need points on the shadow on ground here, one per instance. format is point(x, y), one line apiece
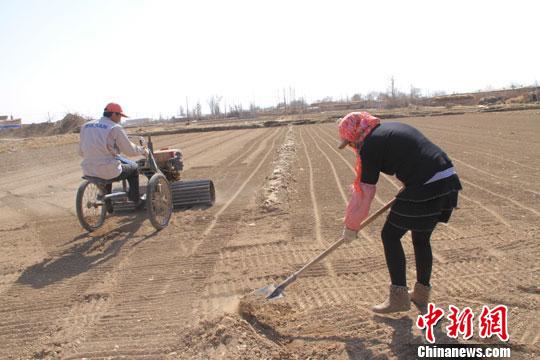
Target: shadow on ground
point(86, 251)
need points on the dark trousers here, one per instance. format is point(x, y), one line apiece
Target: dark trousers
point(395, 256)
point(130, 172)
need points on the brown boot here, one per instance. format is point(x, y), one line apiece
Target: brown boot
point(397, 301)
point(420, 296)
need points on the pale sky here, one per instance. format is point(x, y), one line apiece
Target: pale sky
point(59, 56)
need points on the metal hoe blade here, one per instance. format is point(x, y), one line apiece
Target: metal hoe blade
point(270, 292)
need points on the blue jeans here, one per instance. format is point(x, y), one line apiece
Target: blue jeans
point(130, 172)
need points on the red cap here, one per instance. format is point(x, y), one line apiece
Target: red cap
point(113, 107)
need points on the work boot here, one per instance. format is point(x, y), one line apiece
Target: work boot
point(420, 296)
point(397, 301)
point(109, 206)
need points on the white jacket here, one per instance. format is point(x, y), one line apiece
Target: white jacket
point(101, 140)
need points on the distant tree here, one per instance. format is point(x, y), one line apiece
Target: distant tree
point(414, 93)
point(214, 104)
point(372, 95)
point(253, 108)
point(298, 103)
point(327, 99)
point(235, 111)
point(197, 112)
point(357, 97)
point(392, 88)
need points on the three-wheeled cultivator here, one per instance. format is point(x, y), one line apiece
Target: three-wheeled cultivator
point(164, 191)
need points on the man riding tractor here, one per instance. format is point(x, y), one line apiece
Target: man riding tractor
point(101, 143)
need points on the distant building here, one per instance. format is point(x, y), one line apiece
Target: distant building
point(135, 122)
point(9, 123)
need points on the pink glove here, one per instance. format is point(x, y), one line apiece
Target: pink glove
point(358, 207)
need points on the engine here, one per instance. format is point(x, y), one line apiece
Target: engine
point(169, 161)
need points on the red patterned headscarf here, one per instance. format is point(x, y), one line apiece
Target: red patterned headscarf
point(355, 127)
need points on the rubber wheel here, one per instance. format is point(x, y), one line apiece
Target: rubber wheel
point(159, 201)
point(90, 211)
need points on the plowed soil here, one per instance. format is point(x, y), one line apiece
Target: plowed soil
point(126, 291)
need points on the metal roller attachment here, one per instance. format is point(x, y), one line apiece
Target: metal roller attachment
point(193, 192)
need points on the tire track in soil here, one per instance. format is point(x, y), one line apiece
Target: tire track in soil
point(507, 137)
point(510, 182)
point(231, 199)
point(315, 206)
point(473, 138)
point(158, 327)
point(256, 234)
point(231, 174)
point(53, 306)
point(349, 259)
point(363, 232)
point(180, 141)
point(222, 141)
point(498, 215)
point(302, 243)
point(222, 232)
point(505, 198)
point(484, 152)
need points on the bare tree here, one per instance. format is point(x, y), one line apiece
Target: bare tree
point(414, 93)
point(235, 110)
point(392, 88)
point(197, 112)
point(214, 104)
point(253, 108)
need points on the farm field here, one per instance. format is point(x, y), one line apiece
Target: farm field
point(126, 291)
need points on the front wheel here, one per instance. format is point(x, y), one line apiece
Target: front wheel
point(90, 208)
point(159, 201)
